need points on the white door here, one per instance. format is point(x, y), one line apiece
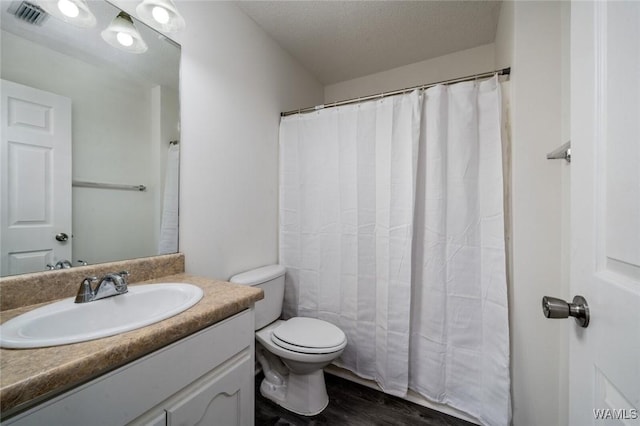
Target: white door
point(35, 179)
point(605, 211)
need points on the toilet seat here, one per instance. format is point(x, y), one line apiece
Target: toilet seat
point(309, 335)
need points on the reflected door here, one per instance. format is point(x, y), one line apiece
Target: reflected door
point(35, 179)
point(605, 211)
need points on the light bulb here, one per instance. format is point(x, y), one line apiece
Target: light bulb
point(124, 39)
point(68, 8)
point(160, 14)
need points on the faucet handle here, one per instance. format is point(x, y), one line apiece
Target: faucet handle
point(85, 292)
point(63, 264)
point(125, 277)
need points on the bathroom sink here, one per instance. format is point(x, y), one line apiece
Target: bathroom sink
point(66, 322)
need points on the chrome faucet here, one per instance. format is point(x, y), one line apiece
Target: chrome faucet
point(61, 264)
point(111, 284)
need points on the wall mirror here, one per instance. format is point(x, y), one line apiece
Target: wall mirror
point(108, 191)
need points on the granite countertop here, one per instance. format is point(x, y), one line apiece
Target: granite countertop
point(29, 376)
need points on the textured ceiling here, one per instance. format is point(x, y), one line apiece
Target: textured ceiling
point(341, 40)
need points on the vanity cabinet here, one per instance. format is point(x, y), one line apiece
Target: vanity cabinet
point(206, 378)
point(216, 399)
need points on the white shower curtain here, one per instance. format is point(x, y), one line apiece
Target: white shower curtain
point(168, 241)
point(391, 227)
point(459, 328)
point(346, 214)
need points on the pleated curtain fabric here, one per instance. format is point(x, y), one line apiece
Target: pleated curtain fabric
point(459, 326)
point(168, 241)
point(392, 228)
point(346, 214)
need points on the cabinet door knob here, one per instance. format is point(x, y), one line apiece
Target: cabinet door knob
point(553, 307)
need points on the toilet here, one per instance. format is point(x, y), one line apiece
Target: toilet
point(293, 352)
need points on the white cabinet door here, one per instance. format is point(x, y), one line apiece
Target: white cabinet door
point(35, 179)
point(224, 397)
point(605, 211)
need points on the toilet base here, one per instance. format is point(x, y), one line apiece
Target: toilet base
point(304, 394)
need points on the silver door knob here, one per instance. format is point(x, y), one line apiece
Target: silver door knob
point(62, 237)
point(557, 308)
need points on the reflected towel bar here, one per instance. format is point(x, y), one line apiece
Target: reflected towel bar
point(561, 153)
point(109, 185)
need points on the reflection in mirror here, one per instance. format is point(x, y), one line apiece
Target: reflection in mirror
point(75, 109)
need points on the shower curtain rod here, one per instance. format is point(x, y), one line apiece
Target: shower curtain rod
point(503, 71)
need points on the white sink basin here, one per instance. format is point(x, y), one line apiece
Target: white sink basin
point(66, 322)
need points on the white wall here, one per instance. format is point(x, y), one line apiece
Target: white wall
point(459, 64)
point(533, 37)
point(234, 82)
point(505, 36)
point(110, 144)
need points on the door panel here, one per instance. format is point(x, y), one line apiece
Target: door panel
point(621, 119)
point(224, 397)
point(605, 211)
point(28, 181)
point(35, 179)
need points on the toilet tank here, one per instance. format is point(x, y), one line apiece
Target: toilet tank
point(271, 280)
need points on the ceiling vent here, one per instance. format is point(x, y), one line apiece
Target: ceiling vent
point(28, 12)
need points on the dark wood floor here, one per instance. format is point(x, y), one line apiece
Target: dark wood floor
point(354, 405)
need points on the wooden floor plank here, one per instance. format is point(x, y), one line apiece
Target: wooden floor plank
point(352, 404)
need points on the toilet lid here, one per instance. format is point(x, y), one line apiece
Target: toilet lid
point(309, 335)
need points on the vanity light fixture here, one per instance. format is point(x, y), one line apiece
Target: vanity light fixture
point(121, 33)
point(75, 12)
point(161, 14)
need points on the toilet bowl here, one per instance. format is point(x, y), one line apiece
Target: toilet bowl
point(293, 352)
